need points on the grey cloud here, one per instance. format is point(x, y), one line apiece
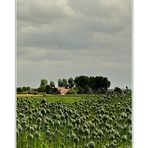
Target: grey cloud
point(76, 40)
point(102, 7)
point(62, 38)
point(78, 31)
point(42, 11)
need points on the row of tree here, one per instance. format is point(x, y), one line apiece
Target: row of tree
point(92, 84)
point(67, 83)
point(47, 88)
point(23, 89)
point(80, 84)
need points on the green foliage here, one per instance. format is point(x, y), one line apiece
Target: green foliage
point(81, 81)
point(102, 120)
point(87, 90)
point(84, 84)
point(81, 90)
point(52, 84)
point(88, 85)
point(55, 91)
point(71, 82)
point(72, 91)
point(65, 83)
point(51, 90)
point(76, 89)
point(42, 88)
point(117, 90)
point(127, 91)
point(24, 89)
point(43, 83)
point(48, 89)
point(19, 90)
point(60, 83)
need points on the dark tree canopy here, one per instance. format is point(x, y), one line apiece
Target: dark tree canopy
point(91, 84)
point(23, 89)
point(42, 89)
point(52, 84)
point(19, 90)
point(80, 84)
point(71, 82)
point(44, 82)
point(117, 90)
point(48, 89)
point(60, 83)
point(51, 90)
point(81, 81)
point(65, 82)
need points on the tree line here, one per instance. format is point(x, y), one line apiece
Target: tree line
point(80, 85)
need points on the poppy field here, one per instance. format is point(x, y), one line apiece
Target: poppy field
point(87, 121)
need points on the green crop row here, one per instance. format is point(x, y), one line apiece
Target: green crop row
point(84, 121)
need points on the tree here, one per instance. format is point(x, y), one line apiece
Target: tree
point(55, 91)
point(48, 89)
point(100, 83)
point(26, 88)
point(92, 84)
point(42, 89)
point(87, 90)
point(60, 83)
point(117, 90)
point(44, 82)
point(81, 90)
point(81, 81)
point(65, 84)
point(19, 90)
point(71, 82)
point(76, 89)
point(23, 89)
point(106, 83)
point(52, 84)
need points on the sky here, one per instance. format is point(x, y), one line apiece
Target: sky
point(67, 38)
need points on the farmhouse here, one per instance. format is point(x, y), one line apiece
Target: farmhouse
point(63, 90)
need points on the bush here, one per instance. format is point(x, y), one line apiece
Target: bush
point(55, 91)
point(128, 91)
point(87, 90)
point(76, 89)
point(117, 90)
point(81, 90)
point(72, 91)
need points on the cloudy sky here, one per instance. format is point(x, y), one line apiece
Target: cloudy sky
point(64, 38)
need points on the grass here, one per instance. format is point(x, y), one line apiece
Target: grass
point(51, 97)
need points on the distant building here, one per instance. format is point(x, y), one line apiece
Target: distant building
point(63, 90)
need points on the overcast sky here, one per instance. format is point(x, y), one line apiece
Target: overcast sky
point(67, 38)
